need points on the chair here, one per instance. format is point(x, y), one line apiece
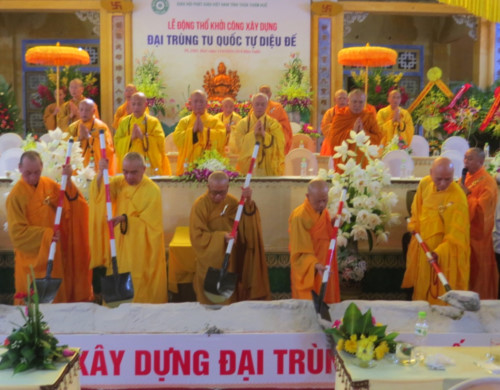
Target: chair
point(307, 141)
point(170, 146)
point(10, 140)
point(457, 158)
point(486, 383)
point(396, 160)
point(419, 146)
point(455, 143)
point(9, 160)
point(294, 159)
point(295, 127)
point(45, 138)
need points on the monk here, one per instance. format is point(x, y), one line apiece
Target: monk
point(394, 120)
point(340, 99)
point(126, 108)
point(258, 126)
point(142, 133)
point(51, 111)
point(353, 117)
point(230, 119)
point(137, 210)
point(310, 229)
point(210, 224)
point(482, 193)
point(86, 130)
point(31, 211)
point(440, 214)
point(198, 132)
point(275, 110)
point(69, 110)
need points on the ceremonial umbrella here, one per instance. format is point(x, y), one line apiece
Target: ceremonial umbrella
point(367, 56)
point(57, 56)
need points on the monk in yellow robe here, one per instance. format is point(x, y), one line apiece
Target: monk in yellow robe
point(275, 110)
point(340, 99)
point(198, 132)
point(126, 108)
point(137, 210)
point(86, 130)
point(353, 117)
point(482, 193)
point(50, 112)
point(210, 224)
point(258, 126)
point(394, 120)
point(31, 210)
point(69, 112)
point(143, 134)
point(230, 119)
point(440, 214)
point(310, 229)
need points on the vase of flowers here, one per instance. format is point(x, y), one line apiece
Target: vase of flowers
point(210, 161)
point(358, 336)
point(10, 120)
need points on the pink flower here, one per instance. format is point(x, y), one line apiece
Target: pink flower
point(20, 295)
point(68, 352)
point(6, 342)
point(337, 324)
point(378, 89)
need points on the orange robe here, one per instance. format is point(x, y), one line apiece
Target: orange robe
point(326, 125)
point(49, 118)
point(482, 206)
point(64, 118)
point(275, 110)
point(91, 147)
point(30, 216)
point(310, 235)
point(208, 223)
point(442, 219)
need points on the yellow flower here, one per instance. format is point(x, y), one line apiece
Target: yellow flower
point(351, 345)
point(365, 349)
point(340, 345)
point(381, 350)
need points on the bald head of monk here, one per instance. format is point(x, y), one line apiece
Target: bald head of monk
point(266, 90)
point(31, 166)
point(357, 100)
point(442, 173)
point(198, 102)
point(138, 102)
point(133, 168)
point(317, 194)
point(341, 98)
point(86, 108)
point(218, 186)
point(474, 160)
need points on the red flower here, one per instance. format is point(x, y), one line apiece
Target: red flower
point(6, 342)
point(68, 352)
point(20, 295)
point(378, 89)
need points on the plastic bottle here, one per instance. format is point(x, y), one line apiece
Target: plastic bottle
point(186, 165)
point(92, 163)
point(402, 172)
point(303, 167)
point(486, 150)
point(421, 331)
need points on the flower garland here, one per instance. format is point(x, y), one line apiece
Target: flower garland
point(310, 131)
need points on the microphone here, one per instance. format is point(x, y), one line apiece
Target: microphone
point(464, 173)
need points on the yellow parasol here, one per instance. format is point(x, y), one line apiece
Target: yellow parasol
point(367, 56)
point(57, 56)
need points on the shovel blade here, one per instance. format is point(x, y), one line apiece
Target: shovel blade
point(462, 300)
point(117, 287)
point(47, 289)
point(219, 287)
point(321, 307)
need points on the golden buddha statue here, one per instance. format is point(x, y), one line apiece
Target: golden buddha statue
point(221, 85)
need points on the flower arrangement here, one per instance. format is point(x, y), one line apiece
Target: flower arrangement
point(32, 345)
point(379, 86)
point(396, 143)
point(351, 267)
point(210, 161)
point(148, 80)
point(9, 111)
point(310, 131)
point(359, 335)
point(429, 115)
point(494, 166)
point(368, 210)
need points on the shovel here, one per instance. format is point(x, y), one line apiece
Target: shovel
point(219, 284)
point(48, 286)
point(116, 288)
point(462, 300)
point(319, 304)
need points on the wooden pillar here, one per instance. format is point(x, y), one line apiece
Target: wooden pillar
point(484, 54)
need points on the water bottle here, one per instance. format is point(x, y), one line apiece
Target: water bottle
point(186, 165)
point(421, 330)
point(92, 163)
point(402, 173)
point(486, 150)
point(303, 167)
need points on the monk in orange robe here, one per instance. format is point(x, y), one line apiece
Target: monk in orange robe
point(31, 209)
point(86, 130)
point(310, 229)
point(51, 111)
point(439, 213)
point(210, 224)
point(275, 110)
point(481, 191)
point(353, 117)
point(340, 99)
point(69, 112)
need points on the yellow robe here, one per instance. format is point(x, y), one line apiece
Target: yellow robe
point(213, 136)
point(442, 219)
point(64, 118)
point(152, 146)
point(91, 147)
point(208, 222)
point(49, 118)
point(141, 250)
point(276, 111)
point(310, 235)
point(404, 128)
point(271, 158)
point(122, 112)
point(232, 120)
point(482, 206)
point(30, 216)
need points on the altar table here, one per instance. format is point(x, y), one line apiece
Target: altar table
point(387, 375)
